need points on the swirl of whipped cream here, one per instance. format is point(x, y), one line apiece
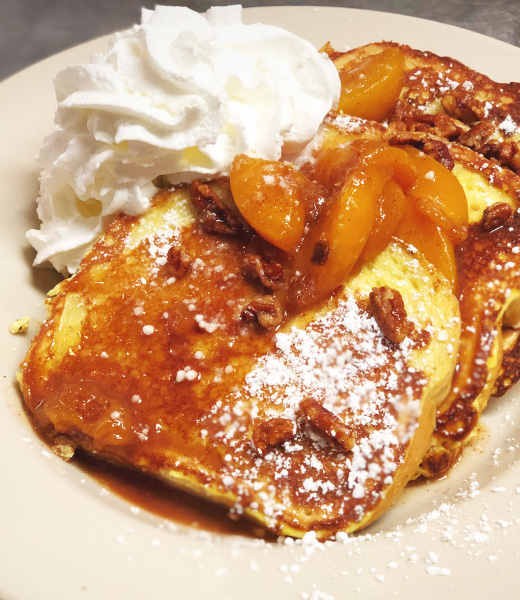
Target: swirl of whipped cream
point(178, 96)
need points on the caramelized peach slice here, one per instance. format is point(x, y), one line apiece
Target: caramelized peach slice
point(269, 196)
point(439, 195)
point(330, 166)
point(392, 163)
point(418, 230)
point(391, 207)
point(336, 240)
point(371, 89)
point(332, 247)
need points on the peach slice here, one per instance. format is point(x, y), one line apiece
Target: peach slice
point(439, 195)
point(269, 196)
point(371, 89)
point(421, 232)
point(391, 209)
point(330, 166)
point(336, 240)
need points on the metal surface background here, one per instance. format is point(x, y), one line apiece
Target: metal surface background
point(31, 30)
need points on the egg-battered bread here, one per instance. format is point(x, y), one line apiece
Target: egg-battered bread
point(177, 350)
point(488, 266)
point(468, 123)
point(448, 100)
point(317, 426)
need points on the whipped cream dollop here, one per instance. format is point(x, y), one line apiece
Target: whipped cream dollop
point(178, 96)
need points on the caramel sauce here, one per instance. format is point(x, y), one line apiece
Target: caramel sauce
point(484, 285)
point(165, 501)
point(156, 378)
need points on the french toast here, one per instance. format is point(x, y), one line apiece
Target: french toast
point(314, 426)
point(302, 376)
point(443, 97)
point(469, 123)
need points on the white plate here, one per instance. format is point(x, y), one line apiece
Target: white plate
point(63, 537)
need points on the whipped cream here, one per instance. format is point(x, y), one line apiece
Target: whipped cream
point(178, 96)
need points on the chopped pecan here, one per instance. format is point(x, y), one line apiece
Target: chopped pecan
point(509, 155)
point(328, 424)
point(388, 309)
point(215, 216)
point(506, 153)
point(495, 216)
point(266, 311)
point(395, 128)
point(272, 433)
point(401, 111)
point(178, 260)
point(440, 152)
point(269, 271)
point(458, 105)
point(434, 148)
point(438, 124)
point(477, 136)
point(320, 252)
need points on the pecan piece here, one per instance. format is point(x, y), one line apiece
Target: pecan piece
point(458, 105)
point(269, 271)
point(440, 152)
point(272, 433)
point(434, 148)
point(477, 136)
point(328, 424)
point(266, 311)
point(495, 216)
point(178, 260)
point(320, 252)
point(388, 310)
point(438, 124)
point(215, 217)
point(509, 155)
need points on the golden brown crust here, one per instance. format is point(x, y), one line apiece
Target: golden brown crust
point(313, 428)
point(489, 271)
point(469, 123)
point(446, 99)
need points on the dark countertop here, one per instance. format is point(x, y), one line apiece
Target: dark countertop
point(31, 30)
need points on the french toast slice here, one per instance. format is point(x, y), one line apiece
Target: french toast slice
point(442, 97)
point(468, 123)
point(152, 357)
point(489, 296)
point(146, 361)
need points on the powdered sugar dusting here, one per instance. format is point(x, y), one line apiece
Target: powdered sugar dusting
point(344, 362)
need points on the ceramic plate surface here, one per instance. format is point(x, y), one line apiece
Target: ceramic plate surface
point(63, 536)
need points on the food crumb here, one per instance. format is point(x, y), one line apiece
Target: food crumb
point(20, 325)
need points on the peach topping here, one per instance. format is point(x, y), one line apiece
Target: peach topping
point(269, 196)
point(371, 89)
point(343, 208)
point(387, 191)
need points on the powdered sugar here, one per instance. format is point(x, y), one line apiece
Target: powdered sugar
point(343, 361)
